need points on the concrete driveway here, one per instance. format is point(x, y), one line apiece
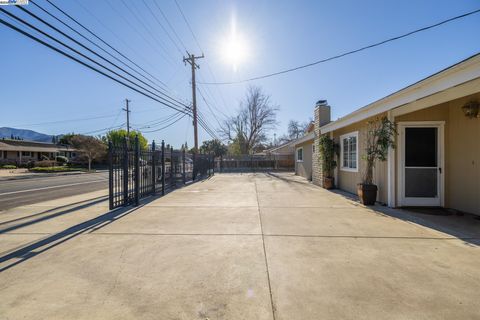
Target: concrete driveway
point(251, 246)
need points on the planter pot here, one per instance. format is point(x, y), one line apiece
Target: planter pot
point(328, 183)
point(367, 193)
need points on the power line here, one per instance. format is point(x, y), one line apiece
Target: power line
point(9, 25)
point(152, 35)
point(208, 105)
point(168, 125)
point(90, 59)
point(97, 37)
point(101, 48)
point(103, 130)
point(188, 25)
point(170, 25)
point(90, 50)
point(346, 53)
point(161, 25)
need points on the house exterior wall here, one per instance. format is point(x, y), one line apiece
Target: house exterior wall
point(304, 168)
point(348, 180)
point(461, 152)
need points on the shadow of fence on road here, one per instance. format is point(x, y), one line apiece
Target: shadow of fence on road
point(50, 216)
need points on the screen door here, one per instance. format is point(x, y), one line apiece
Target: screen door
point(421, 166)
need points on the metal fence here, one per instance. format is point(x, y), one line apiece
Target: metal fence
point(135, 173)
point(248, 163)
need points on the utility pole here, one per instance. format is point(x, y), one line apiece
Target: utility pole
point(128, 116)
point(191, 60)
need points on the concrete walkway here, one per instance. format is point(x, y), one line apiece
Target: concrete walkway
point(252, 246)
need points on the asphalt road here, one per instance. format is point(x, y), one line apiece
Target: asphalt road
point(14, 193)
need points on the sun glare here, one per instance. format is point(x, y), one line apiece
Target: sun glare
point(234, 48)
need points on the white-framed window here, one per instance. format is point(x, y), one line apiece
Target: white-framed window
point(26, 154)
point(349, 152)
point(300, 154)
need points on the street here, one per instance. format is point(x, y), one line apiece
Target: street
point(20, 192)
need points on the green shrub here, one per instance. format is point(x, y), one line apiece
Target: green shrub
point(45, 163)
point(55, 169)
point(61, 159)
point(8, 166)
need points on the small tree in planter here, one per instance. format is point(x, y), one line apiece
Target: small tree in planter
point(327, 158)
point(380, 136)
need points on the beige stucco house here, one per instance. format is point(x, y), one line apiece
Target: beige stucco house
point(21, 151)
point(436, 161)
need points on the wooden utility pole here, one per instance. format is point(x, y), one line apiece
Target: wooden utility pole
point(128, 116)
point(191, 60)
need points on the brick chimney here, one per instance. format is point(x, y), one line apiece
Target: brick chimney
point(322, 117)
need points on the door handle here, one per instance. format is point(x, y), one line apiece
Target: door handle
point(440, 170)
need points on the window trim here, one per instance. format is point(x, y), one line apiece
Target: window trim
point(296, 154)
point(342, 137)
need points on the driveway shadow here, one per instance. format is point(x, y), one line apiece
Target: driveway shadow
point(465, 227)
point(83, 205)
point(31, 250)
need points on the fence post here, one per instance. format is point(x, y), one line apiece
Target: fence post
point(173, 169)
point(110, 175)
point(194, 172)
point(125, 171)
point(183, 166)
point(153, 167)
point(163, 167)
point(213, 164)
point(137, 171)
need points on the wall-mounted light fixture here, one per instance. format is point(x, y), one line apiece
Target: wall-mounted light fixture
point(471, 109)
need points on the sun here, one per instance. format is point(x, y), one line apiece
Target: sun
point(234, 48)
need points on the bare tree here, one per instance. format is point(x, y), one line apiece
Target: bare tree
point(250, 126)
point(89, 147)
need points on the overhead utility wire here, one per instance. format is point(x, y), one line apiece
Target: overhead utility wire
point(208, 105)
point(168, 125)
point(170, 25)
point(161, 25)
point(103, 41)
point(152, 35)
point(93, 52)
point(346, 53)
point(9, 25)
point(90, 59)
point(98, 46)
point(200, 47)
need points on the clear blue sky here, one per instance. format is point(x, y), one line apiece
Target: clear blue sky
point(39, 85)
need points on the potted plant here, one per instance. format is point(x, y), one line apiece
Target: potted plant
point(380, 136)
point(327, 158)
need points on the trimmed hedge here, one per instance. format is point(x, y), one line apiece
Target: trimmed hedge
point(8, 166)
point(54, 169)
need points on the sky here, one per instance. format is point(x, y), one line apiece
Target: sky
point(44, 91)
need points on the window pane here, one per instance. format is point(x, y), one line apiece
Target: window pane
point(353, 152)
point(345, 153)
point(420, 147)
point(420, 183)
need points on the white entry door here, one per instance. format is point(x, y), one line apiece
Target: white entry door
point(421, 173)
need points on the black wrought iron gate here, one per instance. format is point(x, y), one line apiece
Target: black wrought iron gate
point(135, 173)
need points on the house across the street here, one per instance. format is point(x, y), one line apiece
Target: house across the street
point(436, 161)
point(21, 151)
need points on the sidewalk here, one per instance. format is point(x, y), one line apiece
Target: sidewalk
point(236, 246)
point(19, 174)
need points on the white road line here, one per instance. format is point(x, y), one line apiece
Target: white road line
point(52, 187)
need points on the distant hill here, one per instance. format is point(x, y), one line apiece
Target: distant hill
point(25, 134)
